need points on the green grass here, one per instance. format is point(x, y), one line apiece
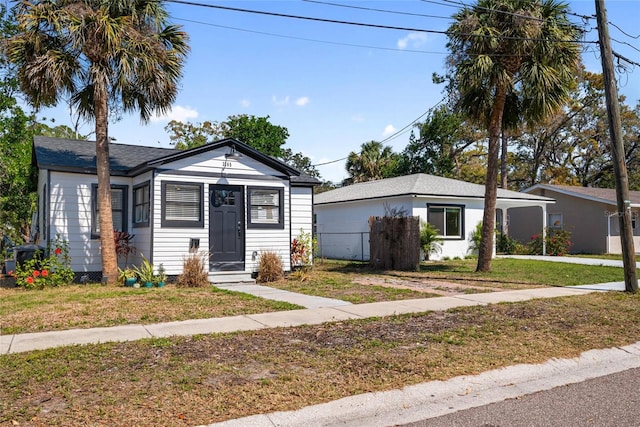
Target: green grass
point(209, 378)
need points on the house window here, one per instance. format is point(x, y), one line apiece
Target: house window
point(182, 204)
point(118, 209)
point(265, 206)
point(141, 205)
point(555, 221)
point(448, 219)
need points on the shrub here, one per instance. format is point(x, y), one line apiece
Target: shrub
point(51, 271)
point(476, 238)
point(557, 241)
point(270, 268)
point(430, 243)
point(505, 244)
point(303, 249)
point(194, 272)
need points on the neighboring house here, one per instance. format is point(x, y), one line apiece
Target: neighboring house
point(453, 207)
point(224, 199)
point(590, 214)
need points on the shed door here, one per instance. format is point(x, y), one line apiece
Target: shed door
point(226, 228)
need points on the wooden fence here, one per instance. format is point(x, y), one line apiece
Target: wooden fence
point(394, 243)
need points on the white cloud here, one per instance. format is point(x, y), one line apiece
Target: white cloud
point(413, 40)
point(245, 103)
point(389, 130)
point(301, 102)
point(178, 113)
point(358, 118)
point(280, 102)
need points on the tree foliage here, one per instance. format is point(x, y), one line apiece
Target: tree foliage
point(103, 56)
point(442, 146)
point(374, 161)
point(506, 48)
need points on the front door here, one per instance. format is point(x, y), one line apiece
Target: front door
point(226, 228)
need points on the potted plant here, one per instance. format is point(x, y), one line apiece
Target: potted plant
point(161, 277)
point(145, 273)
point(128, 276)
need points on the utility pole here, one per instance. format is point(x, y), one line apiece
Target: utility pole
point(617, 151)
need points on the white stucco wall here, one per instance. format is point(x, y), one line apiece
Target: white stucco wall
point(343, 228)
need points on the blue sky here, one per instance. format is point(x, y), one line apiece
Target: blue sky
point(332, 86)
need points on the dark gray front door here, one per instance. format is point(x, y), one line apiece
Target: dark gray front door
point(226, 228)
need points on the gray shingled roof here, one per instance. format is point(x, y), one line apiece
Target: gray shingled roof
point(71, 154)
point(417, 184)
point(80, 156)
point(607, 195)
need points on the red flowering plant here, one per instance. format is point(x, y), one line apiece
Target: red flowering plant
point(557, 242)
point(302, 249)
point(46, 271)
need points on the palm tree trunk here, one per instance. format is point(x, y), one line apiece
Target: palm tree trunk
point(108, 247)
point(485, 251)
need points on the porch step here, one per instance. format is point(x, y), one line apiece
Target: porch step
point(231, 277)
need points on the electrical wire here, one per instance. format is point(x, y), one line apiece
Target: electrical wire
point(360, 24)
point(623, 32)
point(400, 132)
point(378, 10)
point(310, 40)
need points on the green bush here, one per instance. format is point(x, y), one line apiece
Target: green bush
point(505, 244)
point(51, 271)
point(430, 242)
point(558, 242)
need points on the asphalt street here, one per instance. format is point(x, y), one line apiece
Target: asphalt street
point(611, 400)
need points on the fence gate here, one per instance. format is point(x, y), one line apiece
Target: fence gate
point(394, 243)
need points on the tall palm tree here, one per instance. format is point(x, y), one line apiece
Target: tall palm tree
point(105, 56)
point(375, 161)
point(499, 47)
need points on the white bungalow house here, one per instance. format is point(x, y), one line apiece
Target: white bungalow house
point(224, 199)
point(454, 207)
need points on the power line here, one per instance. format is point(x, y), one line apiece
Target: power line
point(390, 137)
point(628, 44)
point(623, 32)
point(310, 40)
point(377, 10)
point(307, 18)
point(361, 24)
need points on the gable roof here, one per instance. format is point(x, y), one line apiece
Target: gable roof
point(602, 195)
point(70, 155)
point(419, 184)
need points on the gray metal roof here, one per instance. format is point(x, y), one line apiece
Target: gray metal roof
point(419, 185)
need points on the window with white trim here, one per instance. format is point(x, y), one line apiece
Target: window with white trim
point(266, 207)
point(182, 204)
point(447, 219)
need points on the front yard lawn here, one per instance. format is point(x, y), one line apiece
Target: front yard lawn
point(87, 306)
point(80, 306)
point(204, 379)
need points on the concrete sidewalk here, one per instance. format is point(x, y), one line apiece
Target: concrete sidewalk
point(338, 311)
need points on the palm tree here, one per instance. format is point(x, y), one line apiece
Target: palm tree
point(375, 161)
point(105, 56)
point(499, 47)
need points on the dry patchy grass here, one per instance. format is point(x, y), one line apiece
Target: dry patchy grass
point(78, 306)
point(203, 379)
